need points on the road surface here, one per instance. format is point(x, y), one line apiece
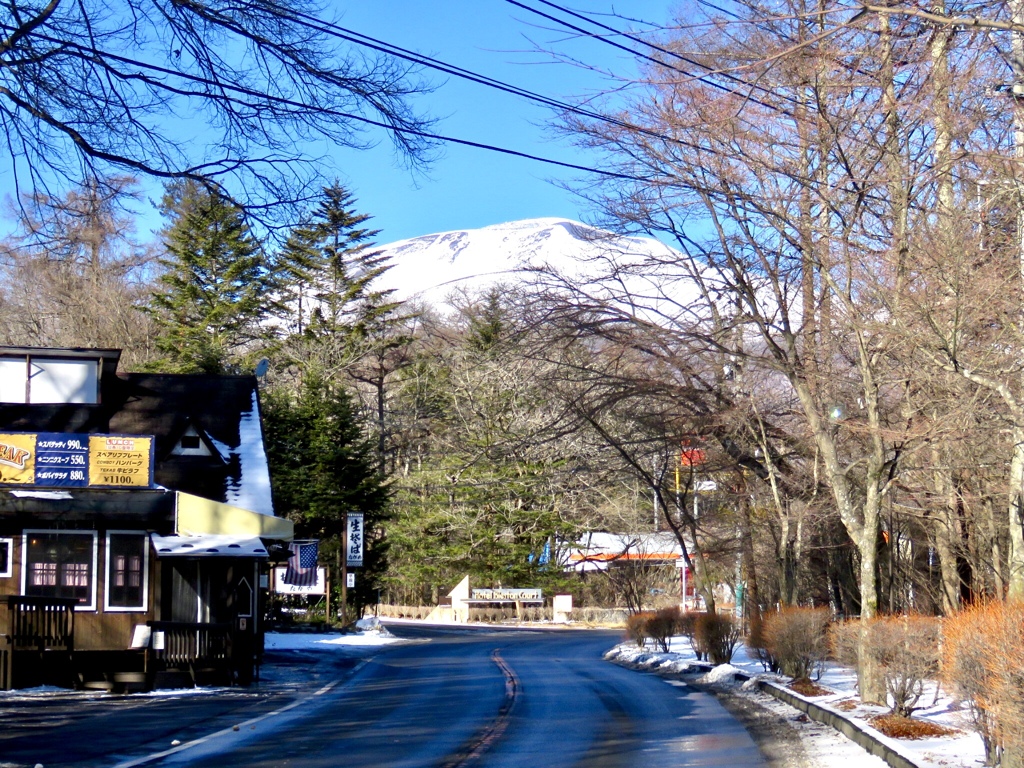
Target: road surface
point(453, 698)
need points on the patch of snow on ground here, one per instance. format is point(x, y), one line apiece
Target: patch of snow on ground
point(723, 673)
point(295, 641)
point(962, 750)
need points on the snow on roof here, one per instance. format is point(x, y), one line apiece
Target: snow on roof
point(596, 549)
point(251, 488)
point(208, 545)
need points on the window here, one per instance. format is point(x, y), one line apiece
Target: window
point(6, 558)
point(127, 571)
point(32, 379)
point(60, 564)
point(191, 444)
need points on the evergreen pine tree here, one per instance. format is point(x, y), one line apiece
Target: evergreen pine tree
point(326, 269)
point(323, 467)
point(342, 326)
point(214, 292)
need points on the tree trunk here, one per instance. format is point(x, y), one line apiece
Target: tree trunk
point(1015, 586)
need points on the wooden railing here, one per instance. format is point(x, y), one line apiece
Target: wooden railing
point(186, 645)
point(41, 623)
point(36, 626)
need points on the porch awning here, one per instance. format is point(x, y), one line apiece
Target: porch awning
point(209, 545)
point(196, 515)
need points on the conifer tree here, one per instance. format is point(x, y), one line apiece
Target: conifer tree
point(342, 326)
point(322, 468)
point(327, 266)
point(215, 289)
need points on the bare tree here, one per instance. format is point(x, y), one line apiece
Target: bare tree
point(788, 160)
point(224, 91)
point(75, 273)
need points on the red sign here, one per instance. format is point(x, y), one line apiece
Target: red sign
point(691, 457)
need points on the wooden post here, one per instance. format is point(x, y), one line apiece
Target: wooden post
point(327, 593)
point(344, 568)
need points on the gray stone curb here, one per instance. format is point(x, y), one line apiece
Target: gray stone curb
point(844, 725)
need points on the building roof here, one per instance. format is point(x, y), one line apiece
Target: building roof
point(596, 550)
point(222, 410)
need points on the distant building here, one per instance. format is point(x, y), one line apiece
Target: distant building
point(600, 550)
point(136, 523)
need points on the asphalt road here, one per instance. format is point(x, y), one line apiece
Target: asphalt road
point(473, 698)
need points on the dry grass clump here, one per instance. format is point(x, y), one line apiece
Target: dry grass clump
point(846, 705)
point(796, 640)
point(809, 688)
point(899, 727)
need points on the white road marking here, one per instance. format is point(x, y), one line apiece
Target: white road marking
point(238, 727)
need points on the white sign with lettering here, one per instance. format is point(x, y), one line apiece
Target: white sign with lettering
point(319, 588)
point(354, 539)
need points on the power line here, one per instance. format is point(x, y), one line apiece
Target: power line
point(357, 38)
point(90, 54)
point(660, 62)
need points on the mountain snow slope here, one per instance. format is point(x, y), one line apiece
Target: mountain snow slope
point(433, 268)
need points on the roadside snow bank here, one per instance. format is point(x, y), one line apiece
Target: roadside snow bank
point(723, 673)
point(961, 749)
point(297, 641)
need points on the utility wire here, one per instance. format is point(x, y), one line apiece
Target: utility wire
point(360, 39)
point(90, 54)
point(659, 62)
point(667, 52)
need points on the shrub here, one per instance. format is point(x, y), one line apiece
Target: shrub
point(796, 641)
point(686, 625)
point(757, 646)
point(716, 634)
point(983, 662)
point(636, 628)
point(904, 650)
point(662, 626)
point(844, 642)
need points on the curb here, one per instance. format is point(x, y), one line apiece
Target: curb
point(844, 725)
point(851, 730)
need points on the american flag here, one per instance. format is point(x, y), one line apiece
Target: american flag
point(301, 570)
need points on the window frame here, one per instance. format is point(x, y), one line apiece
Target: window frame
point(108, 573)
point(54, 373)
point(28, 532)
point(9, 571)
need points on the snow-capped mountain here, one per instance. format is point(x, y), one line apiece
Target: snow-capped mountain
point(433, 267)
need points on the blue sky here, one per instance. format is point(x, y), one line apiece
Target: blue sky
point(464, 187)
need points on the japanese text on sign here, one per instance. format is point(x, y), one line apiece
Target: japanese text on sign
point(354, 541)
point(120, 461)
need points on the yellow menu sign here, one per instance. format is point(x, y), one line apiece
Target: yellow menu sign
point(17, 458)
point(122, 461)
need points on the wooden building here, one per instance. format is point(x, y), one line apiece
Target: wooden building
point(136, 523)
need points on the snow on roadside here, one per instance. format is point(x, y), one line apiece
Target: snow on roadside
point(296, 641)
point(961, 750)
